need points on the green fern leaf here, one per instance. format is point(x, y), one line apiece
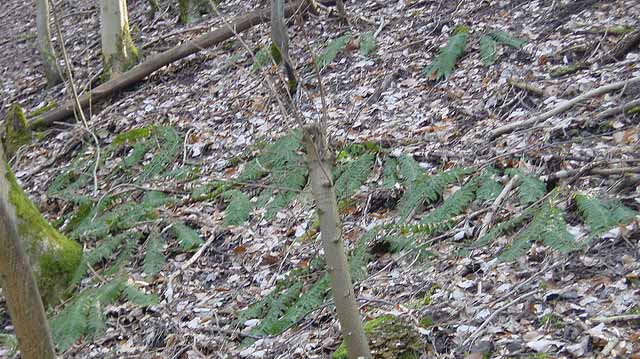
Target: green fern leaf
point(504, 38)
point(96, 321)
point(489, 187)
point(170, 146)
point(360, 256)
point(188, 238)
point(426, 189)
point(602, 216)
point(71, 323)
point(253, 171)
point(409, 168)
point(531, 188)
point(442, 66)
point(239, 208)
point(389, 172)
point(138, 297)
point(367, 44)
point(354, 175)
point(488, 50)
point(334, 47)
point(154, 260)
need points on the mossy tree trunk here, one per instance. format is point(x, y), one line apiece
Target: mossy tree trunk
point(118, 51)
point(189, 8)
point(318, 154)
point(19, 286)
point(53, 257)
point(45, 48)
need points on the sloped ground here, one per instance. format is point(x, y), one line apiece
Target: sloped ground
point(541, 303)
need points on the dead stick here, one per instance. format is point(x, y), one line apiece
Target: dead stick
point(488, 218)
point(616, 110)
point(594, 171)
point(562, 107)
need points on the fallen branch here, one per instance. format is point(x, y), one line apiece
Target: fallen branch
point(616, 110)
point(488, 218)
point(617, 318)
point(526, 87)
point(621, 50)
point(564, 106)
point(594, 171)
point(158, 61)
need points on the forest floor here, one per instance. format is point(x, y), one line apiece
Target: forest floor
point(543, 304)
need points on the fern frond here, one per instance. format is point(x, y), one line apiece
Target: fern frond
point(367, 44)
point(334, 47)
point(252, 171)
point(489, 187)
point(531, 188)
point(389, 172)
point(454, 205)
point(71, 323)
point(138, 297)
point(504, 38)
point(409, 168)
point(154, 260)
point(488, 50)
point(354, 175)
point(308, 301)
point(504, 228)
point(239, 208)
point(188, 238)
point(602, 216)
point(360, 256)
point(442, 66)
point(426, 189)
point(170, 146)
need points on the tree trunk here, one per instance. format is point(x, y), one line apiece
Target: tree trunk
point(118, 52)
point(45, 48)
point(331, 233)
point(156, 62)
point(54, 258)
point(19, 286)
point(280, 40)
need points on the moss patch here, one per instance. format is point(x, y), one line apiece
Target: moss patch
point(17, 132)
point(389, 338)
point(54, 257)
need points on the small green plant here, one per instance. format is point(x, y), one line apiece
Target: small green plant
point(442, 66)
point(333, 48)
point(367, 44)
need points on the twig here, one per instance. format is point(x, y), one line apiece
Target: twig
point(616, 110)
point(564, 106)
point(480, 329)
point(526, 86)
point(201, 250)
point(488, 218)
point(616, 318)
point(594, 171)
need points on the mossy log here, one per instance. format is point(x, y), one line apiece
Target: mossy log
point(54, 257)
point(16, 130)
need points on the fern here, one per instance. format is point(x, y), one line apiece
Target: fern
point(262, 59)
point(253, 171)
point(367, 44)
point(334, 47)
point(547, 226)
point(443, 64)
point(71, 323)
point(389, 172)
point(360, 257)
point(504, 38)
point(187, 237)
point(239, 208)
point(138, 297)
point(488, 50)
point(531, 188)
point(409, 168)
point(154, 260)
point(489, 187)
point(504, 228)
point(170, 146)
point(425, 189)
point(602, 216)
point(354, 175)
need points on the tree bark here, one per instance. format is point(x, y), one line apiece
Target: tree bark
point(144, 69)
point(53, 257)
point(45, 48)
point(280, 39)
point(342, 13)
point(331, 233)
point(118, 51)
point(19, 286)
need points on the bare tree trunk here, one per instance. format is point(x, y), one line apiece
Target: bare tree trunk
point(280, 39)
point(331, 233)
point(45, 48)
point(118, 52)
point(19, 286)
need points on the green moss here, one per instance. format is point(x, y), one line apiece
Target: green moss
point(133, 136)
point(551, 320)
point(389, 338)
point(44, 109)
point(183, 5)
point(54, 256)
point(17, 132)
